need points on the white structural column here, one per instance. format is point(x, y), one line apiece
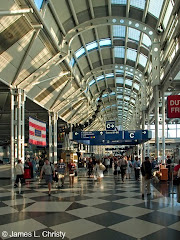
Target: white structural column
point(155, 84)
point(163, 128)
point(53, 117)
point(143, 109)
point(50, 137)
point(17, 127)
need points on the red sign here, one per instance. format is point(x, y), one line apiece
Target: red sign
point(173, 106)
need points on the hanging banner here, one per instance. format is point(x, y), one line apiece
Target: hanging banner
point(173, 106)
point(37, 132)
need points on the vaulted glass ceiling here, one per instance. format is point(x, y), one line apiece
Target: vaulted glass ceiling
point(103, 47)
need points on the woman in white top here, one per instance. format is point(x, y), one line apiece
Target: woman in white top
point(129, 168)
point(98, 170)
point(19, 173)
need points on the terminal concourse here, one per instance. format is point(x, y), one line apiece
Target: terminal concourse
point(87, 81)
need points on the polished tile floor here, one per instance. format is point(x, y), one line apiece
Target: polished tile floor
point(89, 211)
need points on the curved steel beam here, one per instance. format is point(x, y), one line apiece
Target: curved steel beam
point(109, 20)
point(112, 67)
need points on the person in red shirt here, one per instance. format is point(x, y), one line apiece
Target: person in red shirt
point(176, 169)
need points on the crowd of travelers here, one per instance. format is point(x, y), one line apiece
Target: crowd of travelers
point(122, 166)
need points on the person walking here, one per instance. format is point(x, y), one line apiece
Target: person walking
point(61, 169)
point(90, 167)
point(146, 170)
point(137, 167)
point(49, 170)
point(99, 168)
point(123, 167)
point(129, 168)
point(72, 168)
point(19, 173)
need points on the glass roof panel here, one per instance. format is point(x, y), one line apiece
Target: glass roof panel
point(92, 82)
point(138, 3)
point(167, 14)
point(119, 96)
point(119, 1)
point(131, 54)
point(133, 101)
point(133, 34)
point(128, 82)
point(72, 62)
point(146, 40)
point(104, 42)
point(142, 59)
point(79, 52)
point(109, 75)
point(127, 98)
point(100, 78)
point(119, 52)
point(119, 71)
point(38, 3)
point(119, 80)
point(91, 45)
point(104, 95)
point(119, 31)
point(113, 93)
point(155, 7)
point(136, 86)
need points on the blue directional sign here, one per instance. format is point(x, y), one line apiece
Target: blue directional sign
point(110, 125)
point(133, 137)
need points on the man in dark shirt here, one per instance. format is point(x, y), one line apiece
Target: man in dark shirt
point(61, 169)
point(146, 170)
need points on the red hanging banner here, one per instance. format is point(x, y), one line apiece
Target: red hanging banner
point(173, 106)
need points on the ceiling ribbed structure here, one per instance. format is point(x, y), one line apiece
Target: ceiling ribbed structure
point(66, 54)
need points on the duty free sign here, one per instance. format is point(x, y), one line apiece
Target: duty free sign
point(173, 106)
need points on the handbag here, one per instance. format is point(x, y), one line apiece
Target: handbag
point(102, 167)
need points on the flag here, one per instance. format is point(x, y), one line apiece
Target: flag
point(37, 132)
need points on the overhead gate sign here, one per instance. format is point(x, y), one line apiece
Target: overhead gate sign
point(173, 105)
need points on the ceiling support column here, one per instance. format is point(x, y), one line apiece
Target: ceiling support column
point(163, 128)
point(53, 118)
point(17, 127)
point(156, 83)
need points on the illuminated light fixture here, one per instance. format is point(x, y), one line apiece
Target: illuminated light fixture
point(63, 73)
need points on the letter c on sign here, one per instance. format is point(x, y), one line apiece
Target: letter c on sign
point(131, 135)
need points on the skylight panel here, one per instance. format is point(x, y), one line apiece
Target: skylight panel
point(113, 93)
point(109, 75)
point(136, 86)
point(133, 101)
point(91, 46)
point(142, 59)
point(119, 2)
point(128, 82)
point(104, 95)
point(129, 74)
point(127, 98)
point(133, 34)
point(125, 108)
point(80, 52)
point(131, 54)
point(108, 107)
point(119, 52)
point(119, 31)
point(38, 3)
point(119, 96)
point(92, 82)
point(119, 71)
point(100, 78)
point(105, 42)
point(114, 105)
point(155, 7)
point(119, 80)
point(167, 14)
point(146, 40)
point(138, 3)
point(72, 62)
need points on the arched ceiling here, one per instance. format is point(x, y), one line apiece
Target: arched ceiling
point(65, 53)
